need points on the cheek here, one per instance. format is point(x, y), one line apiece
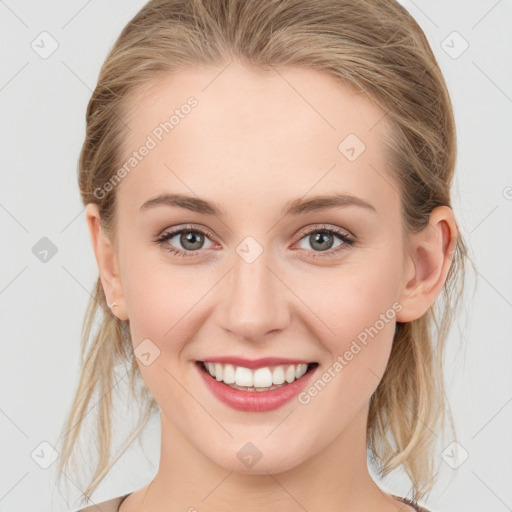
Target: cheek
point(357, 308)
point(163, 306)
point(353, 298)
point(162, 297)
point(366, 307)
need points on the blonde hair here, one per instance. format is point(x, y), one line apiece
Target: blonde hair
point(374, 45)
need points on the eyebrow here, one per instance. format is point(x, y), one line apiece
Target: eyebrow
point(298, 206)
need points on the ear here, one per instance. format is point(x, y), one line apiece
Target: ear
point(107, 262)
point(429, 256)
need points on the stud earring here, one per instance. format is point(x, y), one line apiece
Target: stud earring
point(113, 305)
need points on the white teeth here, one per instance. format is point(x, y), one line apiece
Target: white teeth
point(229, 374)
point(278, 375)
point(301, 370)
point(257, 380)
point(290, 374)
point(218, 371)
point(243, 377)
point(262, 378)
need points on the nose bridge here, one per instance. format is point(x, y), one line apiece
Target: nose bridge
point(254, 303)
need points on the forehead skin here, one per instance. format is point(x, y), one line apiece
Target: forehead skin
point(255, 140)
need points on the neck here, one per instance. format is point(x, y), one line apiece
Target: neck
point(334, 479)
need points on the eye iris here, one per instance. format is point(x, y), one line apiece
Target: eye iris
point(193, 237)
point(321, 237)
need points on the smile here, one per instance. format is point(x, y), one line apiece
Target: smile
point(262, 379)
point(260, 389)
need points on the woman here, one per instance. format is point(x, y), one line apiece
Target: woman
point(267, 189)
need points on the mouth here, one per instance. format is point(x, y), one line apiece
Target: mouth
point(257, 389)
point(256, 379)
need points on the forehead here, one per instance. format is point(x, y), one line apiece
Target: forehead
point(277, 132)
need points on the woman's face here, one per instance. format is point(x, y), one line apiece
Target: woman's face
point(256, 275)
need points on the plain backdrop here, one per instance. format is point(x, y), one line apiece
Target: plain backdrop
point(51, 55)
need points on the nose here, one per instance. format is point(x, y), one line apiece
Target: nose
point(255, 300)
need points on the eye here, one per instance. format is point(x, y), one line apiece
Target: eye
point(321, 239)
point(190, 238)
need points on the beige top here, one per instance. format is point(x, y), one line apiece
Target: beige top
point(114, 504)
point(106, 506)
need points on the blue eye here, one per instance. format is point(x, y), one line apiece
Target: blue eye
point(192, 240)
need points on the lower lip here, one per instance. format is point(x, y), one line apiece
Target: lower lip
point(254, 401)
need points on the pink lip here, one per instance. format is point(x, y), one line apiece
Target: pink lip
point(254, 401)
point(254, 363)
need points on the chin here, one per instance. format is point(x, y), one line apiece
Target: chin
point(258, 458)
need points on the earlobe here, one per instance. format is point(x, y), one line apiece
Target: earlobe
point(430, 254)
point(107, 261)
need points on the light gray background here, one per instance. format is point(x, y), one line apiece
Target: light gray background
point(43, 104)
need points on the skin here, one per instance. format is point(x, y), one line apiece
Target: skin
point(255, 141)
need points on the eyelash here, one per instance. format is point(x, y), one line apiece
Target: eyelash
point(347, 241)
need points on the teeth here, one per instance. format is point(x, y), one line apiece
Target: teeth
point(278, 375)
point(243, 376)
point(228, 375)
point(290, 374)
point(218, 371)
point(258, 380)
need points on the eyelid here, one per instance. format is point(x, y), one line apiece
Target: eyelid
point(325, 227)
point(186, 227)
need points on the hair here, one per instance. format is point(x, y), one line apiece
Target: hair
point(373, 45)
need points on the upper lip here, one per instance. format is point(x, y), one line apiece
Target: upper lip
point(255, 363)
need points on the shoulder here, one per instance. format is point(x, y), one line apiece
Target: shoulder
point(111, 505)
point(413, 504)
